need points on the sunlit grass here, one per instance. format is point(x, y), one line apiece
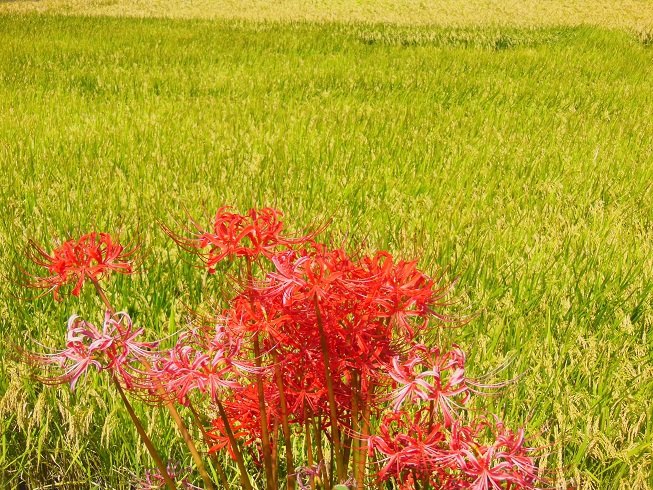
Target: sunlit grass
point(522, 158)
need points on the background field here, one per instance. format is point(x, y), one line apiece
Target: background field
point(634, 14)
point(521, 157)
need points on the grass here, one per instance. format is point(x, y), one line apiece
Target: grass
point(522, 158)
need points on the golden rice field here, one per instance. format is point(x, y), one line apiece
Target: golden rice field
point(511, 141)
point(631, 14)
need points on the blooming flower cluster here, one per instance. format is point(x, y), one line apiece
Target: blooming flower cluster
point(316, 342)
point(200, 360)
point(339, 342)
point(416, 449)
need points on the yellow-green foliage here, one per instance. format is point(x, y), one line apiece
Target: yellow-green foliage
point(522, 158)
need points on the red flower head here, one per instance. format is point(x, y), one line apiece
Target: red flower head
point(410, 443)
point(92, 257)
point(236, 235)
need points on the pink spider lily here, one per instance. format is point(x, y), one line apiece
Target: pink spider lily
point(153, 479)
point(454, 456)
point(441, 381)
point(202, 361)
point(306, 474)
point(113, 348)
point(287, 276)
point(488, 468)
point(507, 459)
point(92, 256)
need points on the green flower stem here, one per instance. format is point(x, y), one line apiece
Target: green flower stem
point(205, 434)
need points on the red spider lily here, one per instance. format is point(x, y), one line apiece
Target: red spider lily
point(252, 314)
point(92, 256)
point(354, 298)
point(409, 444)
point(236, 235)
point(243, 406)
point(153, 479)
point(362, 316)
point(354, 294)
point(243, 410)
point(404, 293)
point(112, 348)
point(304, 384)
point(219, 434)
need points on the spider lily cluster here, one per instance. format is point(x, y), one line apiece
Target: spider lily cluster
point(316, 345)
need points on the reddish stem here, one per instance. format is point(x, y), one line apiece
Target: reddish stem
point(309, 444)
point(355, 443)
point(275, 452)
point(320, 454)
point(234, 446)
point(290, 483)
point(365, 432)
point(265, 434)
point(102, 296)
point(333, 414)
point(144, 437)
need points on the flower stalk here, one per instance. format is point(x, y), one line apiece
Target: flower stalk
point(285, 426)
point(144, 437)
point(333, 414)
point(244, 478)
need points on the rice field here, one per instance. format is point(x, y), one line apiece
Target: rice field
point(629, 14)
point(509, 142)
